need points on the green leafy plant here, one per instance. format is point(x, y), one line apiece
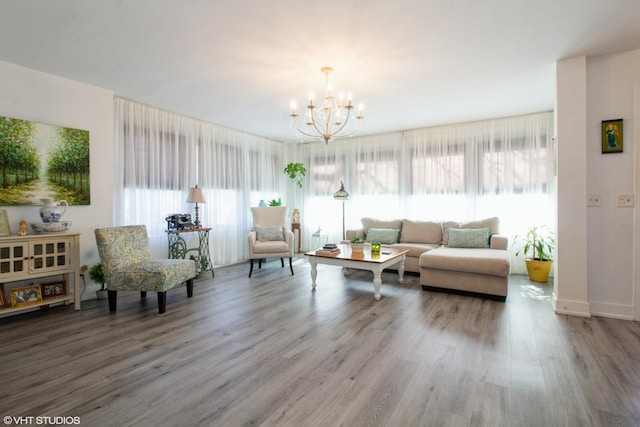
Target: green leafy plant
point(96, 273)
point(296, 172)
point(275, 202)
point(358, 239)
point(538, 243)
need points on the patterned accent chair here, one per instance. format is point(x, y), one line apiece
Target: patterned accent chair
point(124, 254)
point(270, 237)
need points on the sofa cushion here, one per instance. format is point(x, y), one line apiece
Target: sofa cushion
point(269, 234)
point(484, 261)
point(421, 232)
point(469, 237)
point(387, 236)
point(492, 223)
point(368, 223)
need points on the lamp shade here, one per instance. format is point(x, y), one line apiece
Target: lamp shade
point(341, 194)
point(196, 195)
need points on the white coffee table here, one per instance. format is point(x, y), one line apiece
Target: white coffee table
point(363, 261)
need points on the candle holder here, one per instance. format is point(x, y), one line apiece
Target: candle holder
point(375, 248)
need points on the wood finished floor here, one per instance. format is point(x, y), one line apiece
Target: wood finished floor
point(268, 351)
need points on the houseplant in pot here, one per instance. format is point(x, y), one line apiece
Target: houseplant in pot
point(357, 245)
point(96, 273)
point(537, 245)
point(296, 172)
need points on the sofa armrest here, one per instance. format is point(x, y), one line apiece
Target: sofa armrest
point(350, 234)
point(499, 242)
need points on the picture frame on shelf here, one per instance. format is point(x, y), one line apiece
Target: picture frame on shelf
point(53, 289)
point(612, 141)
point(26, 296)
point(3, 297)
point(5, 230)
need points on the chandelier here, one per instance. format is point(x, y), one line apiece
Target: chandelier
point(332, 119)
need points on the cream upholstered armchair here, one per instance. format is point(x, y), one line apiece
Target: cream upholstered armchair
point(124, 254)
point(270, 237)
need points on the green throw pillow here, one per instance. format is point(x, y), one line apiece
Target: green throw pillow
point(387, 236)
point(269, 234)
point(469, 237)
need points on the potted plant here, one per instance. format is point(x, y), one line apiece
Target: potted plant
point(296, 172)
point(96, 273)
point(537, 245)
point(275, 202)
point(357, 245)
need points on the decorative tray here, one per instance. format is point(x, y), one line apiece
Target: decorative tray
point(50, 227)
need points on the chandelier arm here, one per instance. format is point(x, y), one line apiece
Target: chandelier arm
point(315, 125)
point(306, 133)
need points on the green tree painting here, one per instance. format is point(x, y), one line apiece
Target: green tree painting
point(43, 161)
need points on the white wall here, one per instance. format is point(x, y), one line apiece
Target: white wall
point(570, 279)
point(611, 80)
point(35, 96)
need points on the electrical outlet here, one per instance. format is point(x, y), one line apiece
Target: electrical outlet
point(594, 200)
point(625, 200)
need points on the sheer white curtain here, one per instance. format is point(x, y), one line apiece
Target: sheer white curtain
point(160, 155)
point(501, 167)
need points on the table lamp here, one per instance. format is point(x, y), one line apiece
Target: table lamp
point(196, 196)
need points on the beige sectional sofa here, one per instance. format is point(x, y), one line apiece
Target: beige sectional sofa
point(469, 257)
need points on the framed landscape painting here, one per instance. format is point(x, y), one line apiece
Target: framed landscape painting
point(43, 161)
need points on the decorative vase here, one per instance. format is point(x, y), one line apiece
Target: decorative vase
point(357, 248)
point(52, 211)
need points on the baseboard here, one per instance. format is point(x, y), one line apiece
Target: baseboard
point(615, 311)
point(465, 293)
point(574, 308)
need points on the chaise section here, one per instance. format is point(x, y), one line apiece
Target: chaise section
point(477, 271)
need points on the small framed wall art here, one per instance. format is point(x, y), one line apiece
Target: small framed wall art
point(53, 289)
point(612, 136)
point(4, 224)
point(28, 295)
point(3, 297)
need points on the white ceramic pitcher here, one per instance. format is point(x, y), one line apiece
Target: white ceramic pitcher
point(52, 211)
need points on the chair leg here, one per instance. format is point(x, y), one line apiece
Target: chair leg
point(291, 265)
point(282, 262)
point(113, 299)
point(251, 268)
point(260, 263)
point(162, 302)
point(143, 294)
point(189, 288)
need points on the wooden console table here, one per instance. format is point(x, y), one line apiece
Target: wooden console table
point(179, 249)
point(38, 256)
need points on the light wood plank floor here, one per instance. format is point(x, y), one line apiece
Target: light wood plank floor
point(268, 351)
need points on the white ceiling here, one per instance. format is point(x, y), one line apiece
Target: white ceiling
point(240, 63)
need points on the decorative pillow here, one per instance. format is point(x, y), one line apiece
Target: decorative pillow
point(469, 237)
point(493, 223)
point(368, 223)
point(269, 234)
point(383, 235)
